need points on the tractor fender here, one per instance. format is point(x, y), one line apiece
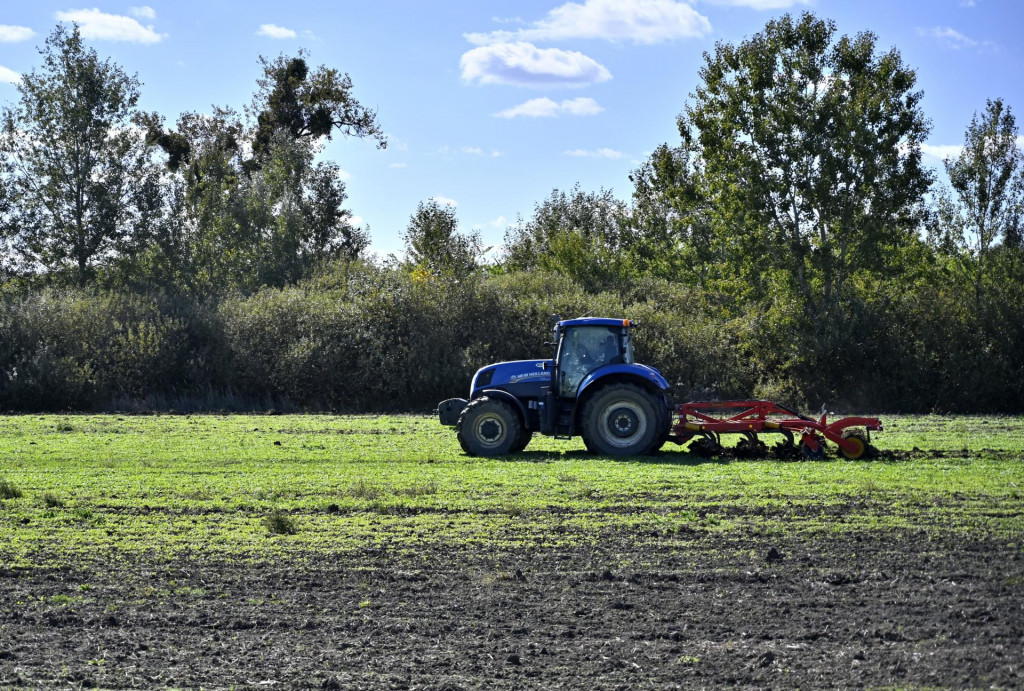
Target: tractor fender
point(501, 395)
point(642, 375)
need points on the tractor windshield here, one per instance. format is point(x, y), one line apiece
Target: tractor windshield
point(584, 348)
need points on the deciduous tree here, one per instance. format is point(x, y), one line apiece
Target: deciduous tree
point(73, 168)
point(807, 155)
point(987, 181)
point(433, 241)
point(586, 236)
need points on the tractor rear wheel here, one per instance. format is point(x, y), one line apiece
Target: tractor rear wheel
point(525, 436)
point(666, 426)
point(622, 420)
point(488, 427)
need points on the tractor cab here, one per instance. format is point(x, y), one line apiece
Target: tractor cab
point(584, 345)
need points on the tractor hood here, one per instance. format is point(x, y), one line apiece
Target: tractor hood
point(514, 376)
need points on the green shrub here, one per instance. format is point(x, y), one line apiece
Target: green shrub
point(280, 523)
point(8, 490)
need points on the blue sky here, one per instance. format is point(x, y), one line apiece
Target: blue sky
point(491, 105)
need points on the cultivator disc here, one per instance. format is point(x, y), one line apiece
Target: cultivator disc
point(706, 446)
point(786, 449)
point(751, 447)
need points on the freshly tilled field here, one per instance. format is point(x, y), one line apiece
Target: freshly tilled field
point(369, 552)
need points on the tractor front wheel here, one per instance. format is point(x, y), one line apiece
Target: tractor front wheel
point(488, 427)
point(622, 420)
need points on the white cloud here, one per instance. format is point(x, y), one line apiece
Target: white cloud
point(275, 31)
point(941, 151)
point(9, 76)
point(599, 153)
point(639, 21)
point(473, 150)
point(581, 106)
point(395, 144)
point(144, 12)
point(761, 4)
point(534, 108)
point(444, 201)
point(356, 220)
point(13, 34)
point(524, 64)
point(344, 175)
point(1020, 142)
point(547, 108)
point(398, 165)
point(499, 222)
point(495, 153)
point(952, 38)
point(110, 27)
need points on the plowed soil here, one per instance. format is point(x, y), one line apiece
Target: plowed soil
point(817, 611)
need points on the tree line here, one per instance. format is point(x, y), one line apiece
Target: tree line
point(790, 244)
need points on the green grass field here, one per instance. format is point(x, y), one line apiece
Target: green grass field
point(94, 489)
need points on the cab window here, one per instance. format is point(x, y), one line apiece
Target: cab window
point(585, 348)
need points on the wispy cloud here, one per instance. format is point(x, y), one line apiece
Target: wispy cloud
point(444, 201)
point(9, 76)
point(547, 108)
point(144, 12)
point(524, 64)
point(398, 165)
point(396, 144)
point(275, 31)
point(941, 151)
point(110, 27)
point(598, 153)
point(761, 4)
point(952, 38)
point(478, 151)
point(13, 34)
point(499, 222)
point(639, 21)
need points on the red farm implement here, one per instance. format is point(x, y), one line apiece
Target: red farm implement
point(706, 421)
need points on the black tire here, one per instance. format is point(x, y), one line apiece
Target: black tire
point(488, 427)
point(525, 436)
point(666, 425)
point(621, 420)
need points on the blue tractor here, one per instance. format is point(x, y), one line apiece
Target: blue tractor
point(591, 387)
